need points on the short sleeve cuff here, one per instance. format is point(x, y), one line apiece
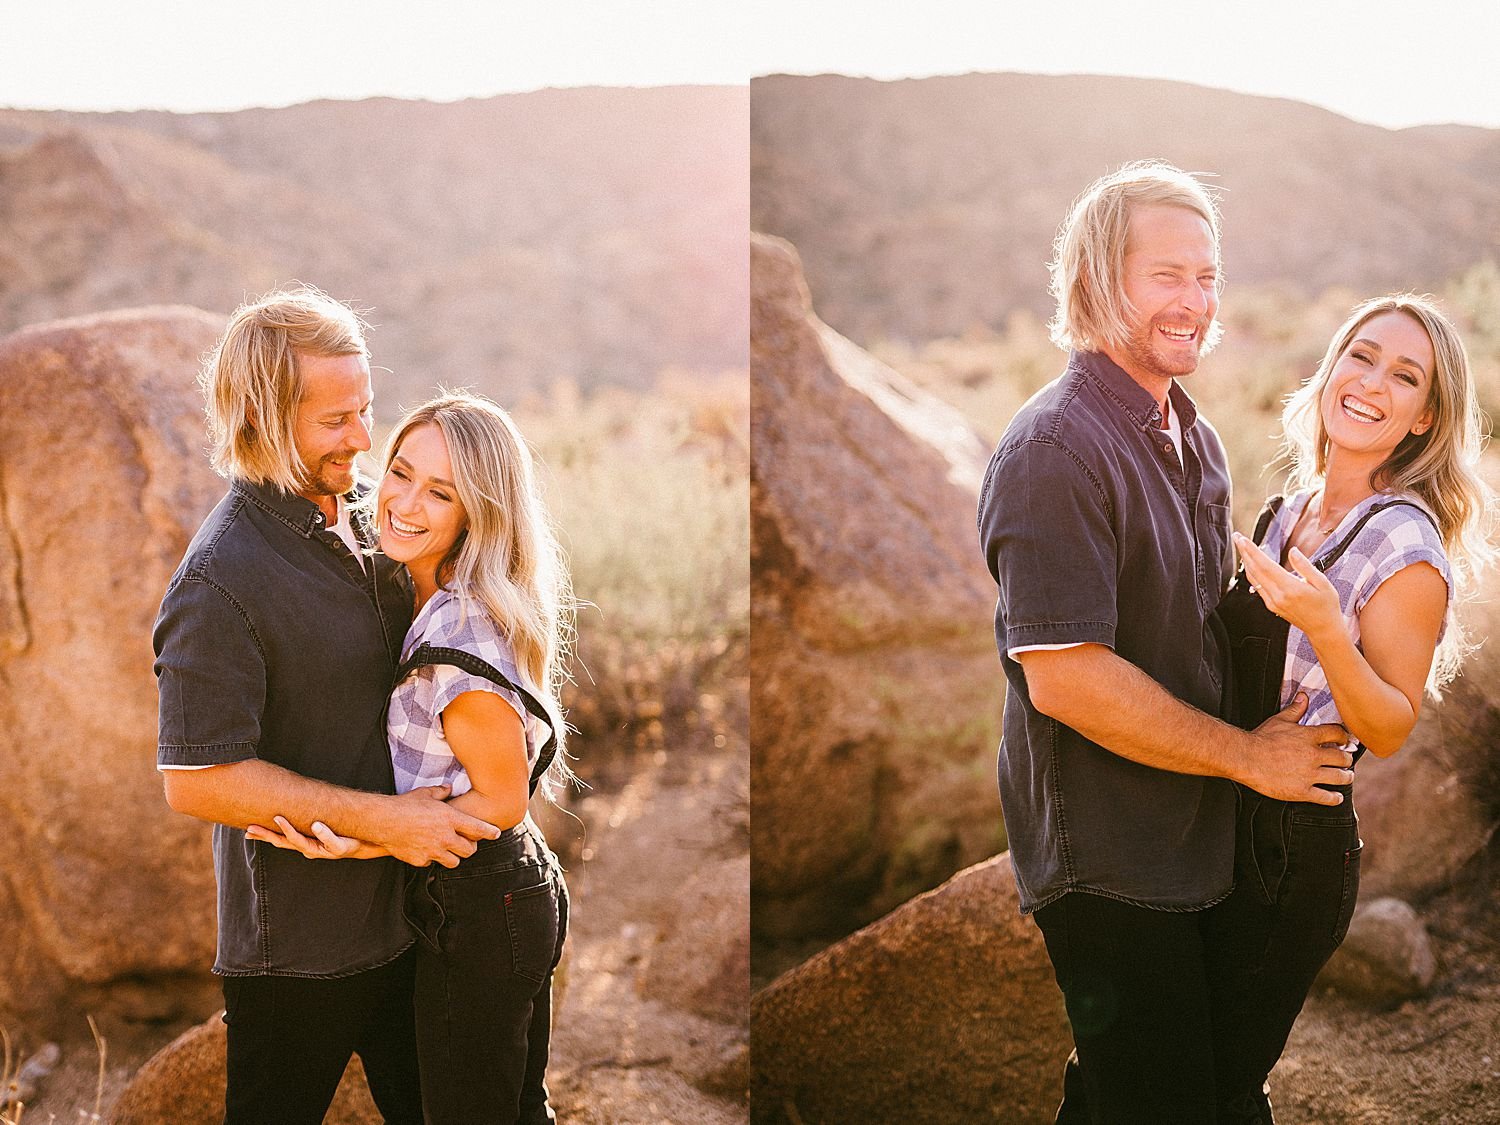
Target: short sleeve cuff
point(195, 757)
point(450, 682)
point(1060, 634)
point(1393, 564)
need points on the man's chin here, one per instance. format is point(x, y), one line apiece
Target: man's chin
point(331, 484)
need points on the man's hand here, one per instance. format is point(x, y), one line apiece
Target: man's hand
point(421, 828)
point(1290, 761)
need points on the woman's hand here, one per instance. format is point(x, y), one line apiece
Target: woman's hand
point(328, 845)
point(1302, 595)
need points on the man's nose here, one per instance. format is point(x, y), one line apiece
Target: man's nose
point(361, 436)
point(1196, 299)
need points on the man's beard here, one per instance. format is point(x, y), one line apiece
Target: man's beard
point(328, 479)
point(1145, 350)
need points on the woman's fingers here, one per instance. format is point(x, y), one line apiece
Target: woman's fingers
point(1310, 573)
point(310, 848)
point(338, 846)
point(266, 836)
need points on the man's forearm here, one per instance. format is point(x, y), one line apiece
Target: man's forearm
point(255, 792)
point(1113, 703)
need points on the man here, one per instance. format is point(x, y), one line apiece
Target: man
point(276, 648)
point(1105, 521)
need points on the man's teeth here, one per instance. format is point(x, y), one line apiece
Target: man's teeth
point(1360, 410)
point(405, 528)
point(1177, 333)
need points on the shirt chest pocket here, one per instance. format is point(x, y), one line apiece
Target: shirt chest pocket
point(1218, 560)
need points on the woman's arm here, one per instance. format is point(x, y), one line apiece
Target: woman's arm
point(1378, 691)
point(487, 738)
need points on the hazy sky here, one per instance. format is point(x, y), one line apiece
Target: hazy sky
point(1383, 61)
point(228, 54)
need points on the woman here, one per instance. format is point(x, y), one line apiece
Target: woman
point(458, 505)
point(1379, 541)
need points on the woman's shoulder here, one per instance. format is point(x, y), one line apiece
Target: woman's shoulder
point(1401, 530)
point(462, 622)
point(1406, 514)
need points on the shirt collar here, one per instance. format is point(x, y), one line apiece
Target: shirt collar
point(1133, 398)
point(297, 512)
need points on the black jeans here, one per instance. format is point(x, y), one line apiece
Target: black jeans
point(1136, 983)
point(1296, 882)
point(1179, 1017)
point(291, 1037)
point(492, 932)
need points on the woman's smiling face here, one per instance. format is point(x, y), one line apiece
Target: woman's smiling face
point(1380, 386)
point(420, 516)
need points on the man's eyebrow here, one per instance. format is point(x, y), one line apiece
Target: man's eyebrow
point(1406, 359)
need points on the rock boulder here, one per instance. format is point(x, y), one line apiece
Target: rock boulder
point(1386, 958)
point(875, 685)
point(1431, 807)
point(103, 480)
point(944, 1011)
point(184, 1083)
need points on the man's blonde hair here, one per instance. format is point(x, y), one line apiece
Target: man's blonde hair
point(1088, 257)
point(252, 381)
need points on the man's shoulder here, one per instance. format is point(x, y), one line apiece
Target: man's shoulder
point(231, 546)
point(1070, 414)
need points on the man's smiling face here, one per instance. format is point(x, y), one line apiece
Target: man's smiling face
point(1171, 281)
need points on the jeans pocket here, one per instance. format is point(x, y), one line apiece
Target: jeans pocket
point(421, 908)
point(1350, 892)
point(1262, 844)
point(533, 919)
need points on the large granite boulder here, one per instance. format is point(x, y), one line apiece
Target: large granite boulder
point(103, 479)
point(874, 682)
point(1434, 805)
point(944, 1011)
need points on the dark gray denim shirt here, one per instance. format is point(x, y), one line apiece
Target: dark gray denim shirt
point(274, 643)
point(1096, 533)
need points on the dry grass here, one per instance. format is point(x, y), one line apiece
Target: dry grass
point(650, 492)
point(13, 1075)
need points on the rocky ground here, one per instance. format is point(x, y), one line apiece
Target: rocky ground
point(1431, 1060)
point(1434, 1060)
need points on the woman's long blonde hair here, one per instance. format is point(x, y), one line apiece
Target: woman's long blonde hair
point(1439, 465)
point(507, 557)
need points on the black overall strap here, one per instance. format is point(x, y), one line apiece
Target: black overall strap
point(1333, 556)
point(433, 654)
point(1267, 514)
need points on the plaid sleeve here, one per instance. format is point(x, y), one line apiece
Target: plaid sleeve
point(1406, 538)
point(450, 682)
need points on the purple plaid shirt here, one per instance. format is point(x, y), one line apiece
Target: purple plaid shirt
point(1391, 541)
point(420, 754)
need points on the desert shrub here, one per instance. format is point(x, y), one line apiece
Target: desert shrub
point(651, 494)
